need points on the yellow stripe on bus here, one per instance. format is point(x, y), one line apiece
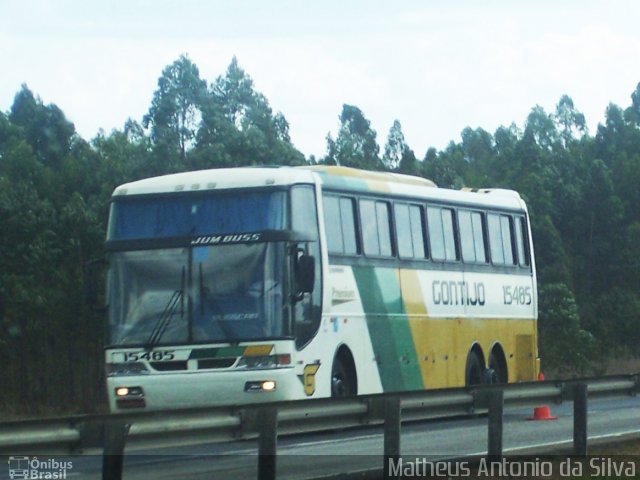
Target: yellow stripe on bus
point(442, 344)
point(416, 310)
point(256, 350)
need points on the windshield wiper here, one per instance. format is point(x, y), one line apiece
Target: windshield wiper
point(177, 298)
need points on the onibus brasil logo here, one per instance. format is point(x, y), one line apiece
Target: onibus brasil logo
point(35, 468)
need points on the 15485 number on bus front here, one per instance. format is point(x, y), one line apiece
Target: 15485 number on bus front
point(154, 356)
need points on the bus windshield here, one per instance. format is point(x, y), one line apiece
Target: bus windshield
point(197, 268)
point(221, 293)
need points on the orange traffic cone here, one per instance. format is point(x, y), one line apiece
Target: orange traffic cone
point(543, 412)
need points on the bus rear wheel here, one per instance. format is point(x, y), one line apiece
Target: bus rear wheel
point(497, 363)
point(474, 374)
point(343, 379)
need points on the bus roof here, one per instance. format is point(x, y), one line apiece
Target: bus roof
point(332, 173)
point(216, 179)
point(331, 177)
point(352, 179)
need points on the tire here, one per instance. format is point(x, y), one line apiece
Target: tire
point(490, 376)
point(498, 366)
point(342, 379)
point(474, 373)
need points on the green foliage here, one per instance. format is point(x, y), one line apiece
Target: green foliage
point(175, 110)
point(355, 145)
point(566, 347)
point(239, 128)
point(541, 129)
point(632, 114)
point(398, 157)
point(395, 147)
point(569, 120)
point(445, 168)
point(45, 127)
point(49, 232)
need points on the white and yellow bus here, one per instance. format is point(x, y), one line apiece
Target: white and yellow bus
point(246, 285)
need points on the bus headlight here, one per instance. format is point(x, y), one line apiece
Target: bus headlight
point(260, 386)
point(126, 369)
point(268, 385)
point(122, 392)
point(129, 392)
point(130, 397)
point(264, 361)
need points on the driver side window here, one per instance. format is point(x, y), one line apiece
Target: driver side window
point(304, 219)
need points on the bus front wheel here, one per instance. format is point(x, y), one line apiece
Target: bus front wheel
point(343, 378)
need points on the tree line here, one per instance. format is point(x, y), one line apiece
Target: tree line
point(581, 188)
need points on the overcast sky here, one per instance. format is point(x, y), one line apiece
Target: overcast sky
point(437, 66)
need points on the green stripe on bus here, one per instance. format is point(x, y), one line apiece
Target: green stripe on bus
point(389, 328)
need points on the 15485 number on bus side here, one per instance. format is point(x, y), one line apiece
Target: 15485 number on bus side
point(516, 295)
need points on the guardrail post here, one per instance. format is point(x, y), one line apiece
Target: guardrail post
point(392, 419)
point(580, 420)
point(496, 411)
point(267, 442)
point(115, 432)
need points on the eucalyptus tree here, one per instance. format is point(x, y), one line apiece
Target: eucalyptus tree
point(239, 127)
point(632, 113)
point(569, 120)
point(395, 147)
point(176, 110)
point(45, 127)
point(355, 144)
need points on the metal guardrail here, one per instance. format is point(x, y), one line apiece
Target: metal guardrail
point(108, 434)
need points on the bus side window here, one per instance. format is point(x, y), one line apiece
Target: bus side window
point(340, 227)
point(375, 227)
point(348, 221)
point(507, 239)
point(384, 228)
point(479, 241)
point(332, 224)
point(409, 230)
point(369, 228)
point(436, 239)
point(403, 230)
point(521, 244)
point(417, 230)
point(441, 234)
point(501, 239)
point(495, 239)
point(304, 219)
point(466, 236)
point(471, 236)
point(449, 234)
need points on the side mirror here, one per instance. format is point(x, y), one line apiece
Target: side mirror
point(305, 273)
